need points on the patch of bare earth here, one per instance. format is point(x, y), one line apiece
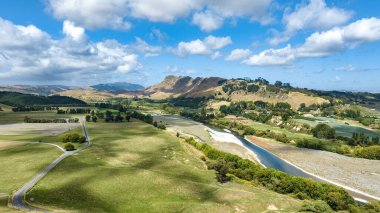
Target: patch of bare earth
point(357, 173)
point(9, 144)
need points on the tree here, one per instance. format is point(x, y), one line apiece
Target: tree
point(128, 118)
point(92, 113)
point(88, 118)
point(155, 124)
point(323, 131)
point(221, 171)
point(94, 118)
point(278, 84)
point(69, 147)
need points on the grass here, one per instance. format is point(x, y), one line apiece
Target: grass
point(135, 167)
point(19, 164)
point(18, 117)
point(343, 129)
point(41, 138)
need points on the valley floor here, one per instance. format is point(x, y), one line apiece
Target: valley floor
point(135, 167)
point(357, 173)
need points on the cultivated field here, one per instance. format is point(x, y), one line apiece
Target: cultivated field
point(135, 167)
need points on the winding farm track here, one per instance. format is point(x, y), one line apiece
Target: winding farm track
point(18, 197)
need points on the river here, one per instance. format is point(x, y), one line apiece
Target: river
point(265, 157)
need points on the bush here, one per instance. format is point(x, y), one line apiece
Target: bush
point(161, 126)
point(74, 137)
point(371, 152)
point(69, 147)
point(310, 144)
point(323, 131)
point(315, 206)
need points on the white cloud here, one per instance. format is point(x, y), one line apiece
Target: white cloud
point(92, 13)
point(33, 55)
point(178, 71)
point(72, 31)
point(322, 44)
point(272, 57)
point(204, 47)
point(145, 48)
point(315, 15)
point(216, 55)
point(207, 21)
point(209, 14)
point(238, 54)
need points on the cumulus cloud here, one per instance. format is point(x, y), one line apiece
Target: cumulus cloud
point(27, 53)
point(207, 21)
point(92, 14)
point(208, 14)
point(238, 54)
point(321, 44)
point(315, 15)
point(143, 47)
point(206, 46)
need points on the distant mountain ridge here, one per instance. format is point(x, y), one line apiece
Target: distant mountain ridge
point(118, 86)
point(44, 90)
point(16, 99)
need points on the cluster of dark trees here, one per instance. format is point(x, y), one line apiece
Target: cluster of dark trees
point(118, 107)
point(304, 188)
point(363, 140)
point(147, 118)
point(72, 137)
point(109, 117)
point(202, 116)
point(55, 120)
point(32, 108)
point(74, 111)
point(323, 131)
point(264, 111)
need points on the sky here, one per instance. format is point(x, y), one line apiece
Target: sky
point(328, 45)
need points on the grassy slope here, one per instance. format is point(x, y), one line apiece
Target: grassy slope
point(19, 164)
point(136, 168)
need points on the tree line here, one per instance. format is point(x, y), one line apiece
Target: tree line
point(55, 120)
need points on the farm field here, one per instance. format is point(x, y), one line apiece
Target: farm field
point(18, 117)
point(341, 128)
point(136, 167)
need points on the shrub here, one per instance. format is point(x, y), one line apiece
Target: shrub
point(315, 206)
point(69, 147)
point(323, 131)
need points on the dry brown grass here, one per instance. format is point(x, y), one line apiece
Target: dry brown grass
point(4, 144)
point(293, 98)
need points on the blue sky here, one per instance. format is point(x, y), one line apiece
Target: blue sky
point(309, 43)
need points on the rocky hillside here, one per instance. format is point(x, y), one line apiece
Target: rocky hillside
point(175, 86)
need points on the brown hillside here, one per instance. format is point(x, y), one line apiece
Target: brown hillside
point(174, 86)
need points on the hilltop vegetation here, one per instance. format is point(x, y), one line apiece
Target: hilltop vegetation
point(19, 99)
